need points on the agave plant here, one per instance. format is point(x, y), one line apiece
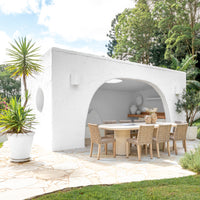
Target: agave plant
point(24, 61)
point(16, 119)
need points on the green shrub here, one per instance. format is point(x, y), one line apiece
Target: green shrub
point(191, 160)
point(198, 132)
point(197, 123)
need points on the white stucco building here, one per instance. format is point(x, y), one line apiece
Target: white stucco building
point(72, 91)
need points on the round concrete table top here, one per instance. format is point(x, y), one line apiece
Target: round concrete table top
point(131, 126)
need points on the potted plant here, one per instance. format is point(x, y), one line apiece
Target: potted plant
point(17, 121)
point(189, 102)
point(3, 106)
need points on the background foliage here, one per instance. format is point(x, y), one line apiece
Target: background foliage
point(8, 86)
point(154, 32)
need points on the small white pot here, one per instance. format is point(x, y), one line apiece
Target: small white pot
point(191, 133)
point(20, 146)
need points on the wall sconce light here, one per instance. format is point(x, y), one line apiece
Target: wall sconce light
point(74, 79)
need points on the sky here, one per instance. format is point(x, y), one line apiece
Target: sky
point(80, 25)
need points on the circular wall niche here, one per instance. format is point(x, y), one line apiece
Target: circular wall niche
point(39, 100)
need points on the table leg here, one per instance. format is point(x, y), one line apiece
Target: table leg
point(121, 136)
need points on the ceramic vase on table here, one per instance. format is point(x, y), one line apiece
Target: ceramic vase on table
point(153, 118)
point(148, 119)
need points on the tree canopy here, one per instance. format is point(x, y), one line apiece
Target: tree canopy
point(8, 86)
point(134, 34)
point(158, 32)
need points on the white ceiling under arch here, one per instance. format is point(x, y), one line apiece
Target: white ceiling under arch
point(126, 85)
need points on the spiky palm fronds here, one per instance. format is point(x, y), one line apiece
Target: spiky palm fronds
point(24, 60)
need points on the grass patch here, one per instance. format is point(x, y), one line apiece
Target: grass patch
point(186, 188)
point(191, 160)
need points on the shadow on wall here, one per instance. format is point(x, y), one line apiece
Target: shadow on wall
point(93, 117)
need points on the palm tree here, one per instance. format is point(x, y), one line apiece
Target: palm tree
point(24, 61)
point(187, 65)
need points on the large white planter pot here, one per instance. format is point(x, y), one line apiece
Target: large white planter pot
point(20, 146)
point(191, 133)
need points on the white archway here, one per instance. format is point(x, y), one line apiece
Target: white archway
point(95, 112)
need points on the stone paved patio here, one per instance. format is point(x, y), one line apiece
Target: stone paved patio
point(50, 171)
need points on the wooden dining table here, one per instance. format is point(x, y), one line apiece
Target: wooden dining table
point(122, 132)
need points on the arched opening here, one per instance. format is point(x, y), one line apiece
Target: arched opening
point(112, 101)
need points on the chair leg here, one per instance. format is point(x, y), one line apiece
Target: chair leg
point(151, 151)
point(114, 149)
point(184, 145)
point(173, 144)
point(139, 149)
point(145, 149)
point(99, 151)
point(175, 147)
point(106, 148)
point(127, 149)
point(168, 148)
point(163, 146)
point(91, 149)
point(157, 148)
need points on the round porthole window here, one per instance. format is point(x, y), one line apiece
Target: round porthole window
point(39, 100)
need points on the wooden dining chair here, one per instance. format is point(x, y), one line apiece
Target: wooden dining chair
point(144, 137)
point(109, 133)
point(133, 132)
point(162, 136)
point(97, 139)
point(179, 134)
point(138, 120)
point(125, 121)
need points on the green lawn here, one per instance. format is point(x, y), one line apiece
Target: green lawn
point(177, 188)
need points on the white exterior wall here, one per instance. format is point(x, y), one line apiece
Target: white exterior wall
point(63, 119)
point(44, 128)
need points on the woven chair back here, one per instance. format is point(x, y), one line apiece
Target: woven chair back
point(94, 133)
point(163, 133)
point(125, 121)
point(145, 135)
point(180, 131)
point(109, 122)
point(138, 120)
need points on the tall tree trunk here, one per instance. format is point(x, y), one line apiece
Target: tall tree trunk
point(25, 90)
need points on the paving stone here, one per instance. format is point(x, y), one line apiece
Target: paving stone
point(16, 183)
point(50, 171)
point(50, 174)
